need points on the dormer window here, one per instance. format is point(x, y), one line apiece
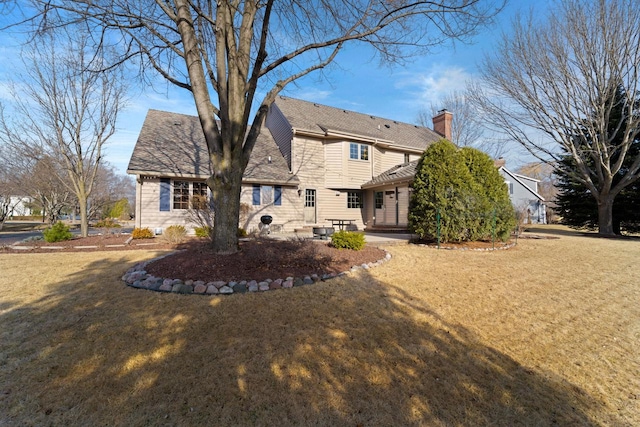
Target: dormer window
point(358, 151)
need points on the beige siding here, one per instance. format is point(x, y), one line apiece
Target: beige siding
point(286, 216)
point(334, 164)
point(358, 172)
point(403, 205)
point(386, 159)
point(369, 206)
point(332, 204)
point(309, 165)
point(149, 214)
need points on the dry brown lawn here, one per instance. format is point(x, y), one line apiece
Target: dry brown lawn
point(547, 333)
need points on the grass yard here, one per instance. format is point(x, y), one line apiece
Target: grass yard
point(546, 333)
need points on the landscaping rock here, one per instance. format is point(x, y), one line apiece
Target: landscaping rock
point(211, 289)
point(287, 283)
point(240, 288)
point(185, 289)
point(263, 286)
point(165, 288)
point(200, 288)
point(225, 290)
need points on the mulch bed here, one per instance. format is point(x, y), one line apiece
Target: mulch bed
point(257, 259)
point(260, 260)
point(103, 242)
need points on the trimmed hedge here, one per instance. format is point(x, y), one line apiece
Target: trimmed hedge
point(347, 240)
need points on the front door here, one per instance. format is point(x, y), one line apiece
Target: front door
point(390, 217)
point(310, 206)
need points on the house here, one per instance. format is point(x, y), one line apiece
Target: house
point(312, 165)
point(523, 192)
point(307, 168)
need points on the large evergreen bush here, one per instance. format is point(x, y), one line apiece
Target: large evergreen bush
point(464, 188)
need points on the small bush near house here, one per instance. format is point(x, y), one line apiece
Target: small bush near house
point(57, 233)
point(142, 233)
point(203, 231)
point(107, 223)
point(347, 240)
point(174, 234)
point(242, 232)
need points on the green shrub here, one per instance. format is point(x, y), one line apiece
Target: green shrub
point(465, 188)
point(242, 232)
point(174, 234)
point(203, 231)
point(57, 233)
point(107, 223)
point(347, 240)
point(142, 233)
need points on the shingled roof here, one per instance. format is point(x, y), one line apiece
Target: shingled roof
point(172, 144)
point(322, 119)
point(399, 173)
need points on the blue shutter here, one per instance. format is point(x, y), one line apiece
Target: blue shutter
point(165, 194)
point(256, 194)
point(277, 196)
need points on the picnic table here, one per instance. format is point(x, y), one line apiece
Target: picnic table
point(341, 223)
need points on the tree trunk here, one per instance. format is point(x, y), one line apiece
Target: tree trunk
point(605, 216)
point(84, 221)
point(226, 202)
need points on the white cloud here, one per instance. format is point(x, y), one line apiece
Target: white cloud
point(425, 88)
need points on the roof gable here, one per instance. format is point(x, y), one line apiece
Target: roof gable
point(172, 144)
point(516, 178)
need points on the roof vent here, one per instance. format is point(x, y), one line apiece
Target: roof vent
point(177, 123)
point(387, 126)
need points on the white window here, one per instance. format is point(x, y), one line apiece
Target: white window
point(354, 200)
point(509, 186)
point(358, 151)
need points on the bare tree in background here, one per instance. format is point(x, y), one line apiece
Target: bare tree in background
point(558, 79)
point(43, 184)
point(65, 108)
point(226, 52)
point(467, 126)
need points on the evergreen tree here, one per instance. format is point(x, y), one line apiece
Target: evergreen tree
point(576, 205)
point(464, 188)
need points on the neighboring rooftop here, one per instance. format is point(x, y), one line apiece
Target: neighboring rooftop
point(313, 117)
point(172, 144)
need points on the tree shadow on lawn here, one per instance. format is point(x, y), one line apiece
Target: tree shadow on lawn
point(351, 351)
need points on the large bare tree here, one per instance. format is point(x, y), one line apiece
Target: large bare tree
point(235, 56)
point(65, 108)
point(550, 85)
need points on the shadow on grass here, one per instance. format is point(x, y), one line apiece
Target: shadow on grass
point(566, 231)
point(347, 352)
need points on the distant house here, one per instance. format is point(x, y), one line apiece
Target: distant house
point(312, 165)
point(523, 192)
point(20, 206)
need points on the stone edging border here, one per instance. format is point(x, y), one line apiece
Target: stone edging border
point(449, 248)
point(137, 277)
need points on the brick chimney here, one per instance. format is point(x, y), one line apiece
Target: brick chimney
point(442, 123)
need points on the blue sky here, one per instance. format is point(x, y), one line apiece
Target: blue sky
point(357, 82)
